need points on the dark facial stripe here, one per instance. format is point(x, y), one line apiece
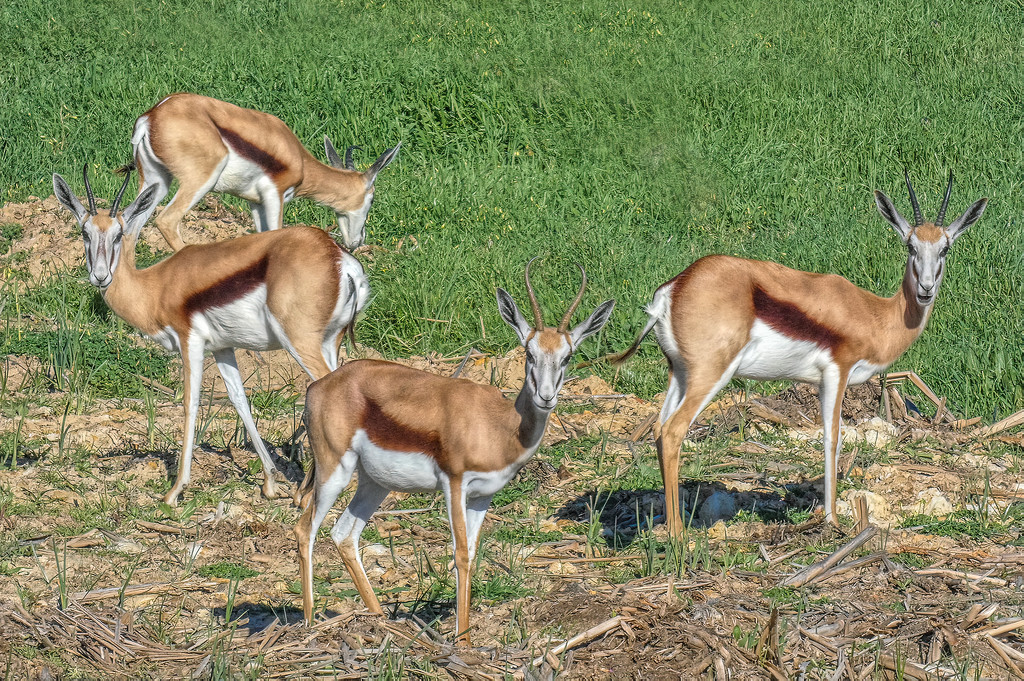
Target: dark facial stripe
point(228, 289)
point(271, 165)
point(791, 321)
point(387, 433)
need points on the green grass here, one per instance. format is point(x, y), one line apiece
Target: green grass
point(83, 347)
point(630, 141)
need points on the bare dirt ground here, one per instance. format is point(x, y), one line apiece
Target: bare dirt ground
point(577, 578)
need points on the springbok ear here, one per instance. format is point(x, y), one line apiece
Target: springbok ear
point(892, 216)
point(387, 157)
point(332, 156)
point(68, 199)
point(970, 216)
point(139, 211)
point(513, 317)
point(593, 323)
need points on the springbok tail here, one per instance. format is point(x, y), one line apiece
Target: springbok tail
point(620, 357)
point(304, 489)
point(126, 168)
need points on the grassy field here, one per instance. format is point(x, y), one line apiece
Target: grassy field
point(632, 141)
point(629, 140)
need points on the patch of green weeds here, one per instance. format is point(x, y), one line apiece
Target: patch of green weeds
point(962, 523)
point(499, 586)
point(745, 639)
point(521, 487)
point(226, 570)
point(913, 561)
point(573, 450)
point(525, 535)
point(271, 404)
point(796, 516)
point(9, 233)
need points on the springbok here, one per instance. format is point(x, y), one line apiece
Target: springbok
point(210, 145)
point(725, 316)
point(407, 430)
point(293, 288)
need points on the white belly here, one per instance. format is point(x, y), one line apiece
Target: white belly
point(241, 177)
point(398, 471)
point(771, 355)
point(243, 323)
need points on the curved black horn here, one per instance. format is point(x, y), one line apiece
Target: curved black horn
point(563, 326)
point(348, 157)
point(945, 201)
point(538, 320)
point(918, 218)
point(120, 193)
point(88, 190)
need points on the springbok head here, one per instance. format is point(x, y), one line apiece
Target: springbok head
point(352, 223)
point(548, 349)
point(102, 232)
point(927, 242)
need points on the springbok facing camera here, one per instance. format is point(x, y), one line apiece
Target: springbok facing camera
point(293, 288)
point(407, 430)
point(726, 316)
point(210, 145)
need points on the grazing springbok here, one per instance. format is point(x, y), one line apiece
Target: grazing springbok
point(293, 288)
point(407, 430)
point(210, 145)
point(725, 317)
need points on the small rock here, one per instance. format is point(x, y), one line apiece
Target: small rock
point(375, 551)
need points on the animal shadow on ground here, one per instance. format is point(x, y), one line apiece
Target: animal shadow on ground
point(625, 513)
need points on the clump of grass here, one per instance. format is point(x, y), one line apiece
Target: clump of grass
point(963, 523)
point(9, 233)
point(226, 570)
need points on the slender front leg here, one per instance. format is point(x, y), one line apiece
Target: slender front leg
point(192, 370)
point(236, 393)
point(273, 205)
point(456, 499)
point(830, 394)
point(476, 511)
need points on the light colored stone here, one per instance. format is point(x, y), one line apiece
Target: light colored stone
point(880, 513)
point(931, 502)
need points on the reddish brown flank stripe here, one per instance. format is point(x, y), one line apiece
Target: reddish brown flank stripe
point(387, 433)
point(789, 320)
point(229, 289)
point(271, 165)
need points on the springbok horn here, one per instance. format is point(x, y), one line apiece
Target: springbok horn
point(918, 219)
point(88, 190)
point(563, 326)
point(538, 320)
point(945, 202)
point(348, 157)
point(120, 193)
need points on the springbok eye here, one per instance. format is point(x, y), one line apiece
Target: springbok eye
point(944, 251)
point(117, 239)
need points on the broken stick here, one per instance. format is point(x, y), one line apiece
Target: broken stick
point(812, 572)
